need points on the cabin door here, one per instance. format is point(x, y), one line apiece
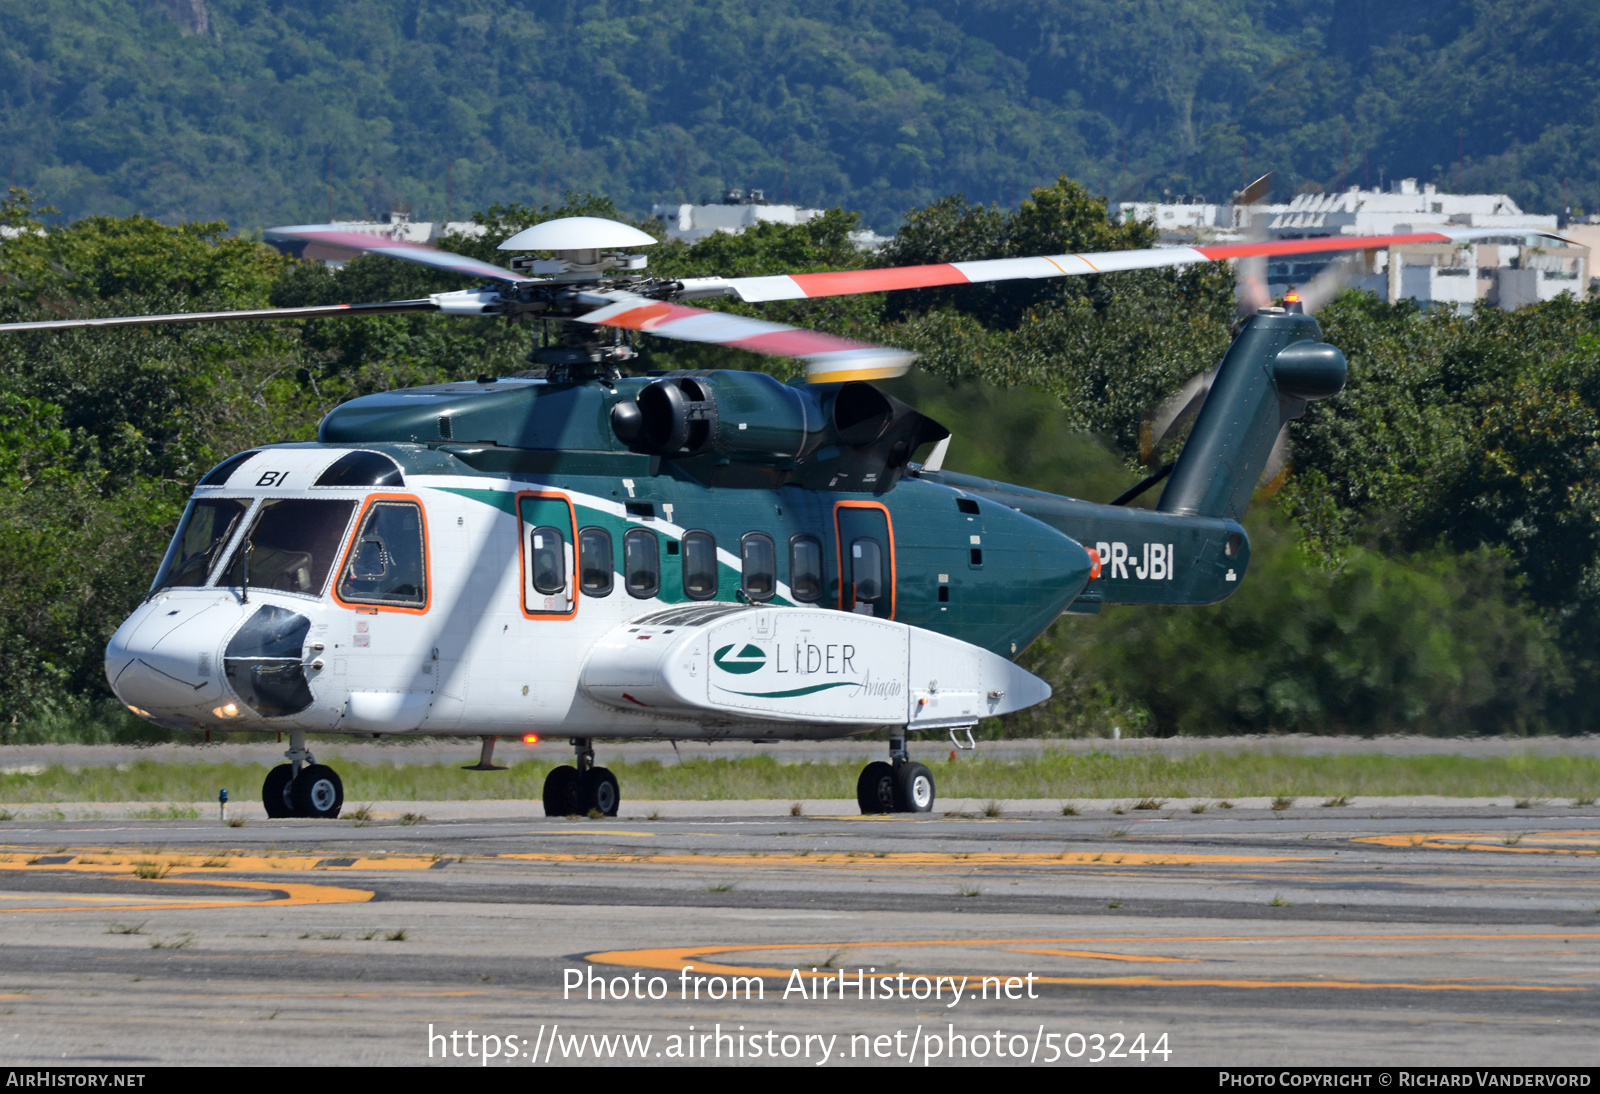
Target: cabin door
point(864, 539)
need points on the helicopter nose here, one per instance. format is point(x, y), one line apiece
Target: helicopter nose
point(163, 661)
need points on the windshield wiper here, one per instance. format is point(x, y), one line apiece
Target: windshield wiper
point(244, 578)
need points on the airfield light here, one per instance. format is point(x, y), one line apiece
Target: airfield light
point(227, 710)
point(531, 739)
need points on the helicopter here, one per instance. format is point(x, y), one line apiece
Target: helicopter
point(714, 555)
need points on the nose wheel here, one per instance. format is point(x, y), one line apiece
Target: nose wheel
point(583, 789)
point(302, 787)
point(900, 786)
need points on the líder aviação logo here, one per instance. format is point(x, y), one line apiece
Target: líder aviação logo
point(749, 659)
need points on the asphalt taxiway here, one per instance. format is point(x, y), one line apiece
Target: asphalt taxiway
point(1369, 933)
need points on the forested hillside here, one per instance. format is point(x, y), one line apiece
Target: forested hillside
point(271, 113)
point(1432, 566)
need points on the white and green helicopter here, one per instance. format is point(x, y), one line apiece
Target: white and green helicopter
point(713, 555)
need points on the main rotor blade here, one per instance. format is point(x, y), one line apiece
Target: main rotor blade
point(847, 282)
point(333, 241)
point(388, 307)
point(828, 359)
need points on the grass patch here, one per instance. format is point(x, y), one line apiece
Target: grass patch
point(360, 818)
point(1114, 904)
point(1198, 807)
point(412, 818)
point(796, 808)
point(125, 928)
point(1582, 800)
point(151, 871)
point(1277, 901)
point(1069, 810)
point(6, 814)
point(720, 887)
point(235, 822)
point(183, 941)
point(1150, 803)
point(1338, 802)
point(1282, 802)
point(969, 890)
point(993, 808)
point(397, 936)
point(168, 812)
point(1215, 776)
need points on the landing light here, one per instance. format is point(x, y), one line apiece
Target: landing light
point(531, 739)
point(227, 710)
point(140, 713)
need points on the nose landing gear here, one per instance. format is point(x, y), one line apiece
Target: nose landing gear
point(900, 786)
point(302, 787)
point(581, 790)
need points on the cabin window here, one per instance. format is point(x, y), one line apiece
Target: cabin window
point(594, 561)
point(202, 534)
point(758, 561)
point(699, 565)
point(387, 563)
point(641, 563)
point(292, 545)
point(549, 574)
point(866, 569)
point(547, 560)
point(805, 569)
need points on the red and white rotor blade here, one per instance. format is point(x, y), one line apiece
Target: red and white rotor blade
point(829, 359)
point(331, 241)
point(847, 282)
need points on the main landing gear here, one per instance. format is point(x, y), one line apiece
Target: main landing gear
point(582, 790)
point(302, 787)
point(899, 786)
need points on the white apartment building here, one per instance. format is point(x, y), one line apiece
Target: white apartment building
point(740, 209)
point(1509, 271)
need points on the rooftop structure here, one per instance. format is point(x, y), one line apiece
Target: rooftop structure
point(740, 209)
point(1508, 271)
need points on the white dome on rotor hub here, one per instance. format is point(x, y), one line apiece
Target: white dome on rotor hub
point(585, 248)
point(577, 234)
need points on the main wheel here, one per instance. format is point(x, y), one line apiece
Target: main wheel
point(561, 792)
point(913, 789)
point(317, 792)
point(275, 792)
point(598, 791)
point(875, 788)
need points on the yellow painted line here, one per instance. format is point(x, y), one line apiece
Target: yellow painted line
point(124, 863)
point(1099, 956)
point(1527, 843)
point(295, 895)
point(673, 959)
point(593, 832)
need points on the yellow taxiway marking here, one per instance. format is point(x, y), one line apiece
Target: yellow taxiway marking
point(176, 868)
point(123, 862)
point(1525, 843)
point(702, 958)
point(1099, 956)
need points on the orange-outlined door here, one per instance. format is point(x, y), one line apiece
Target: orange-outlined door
point(864, 539)
point(549, 555)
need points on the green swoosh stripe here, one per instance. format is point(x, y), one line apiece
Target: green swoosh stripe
point(812, 690)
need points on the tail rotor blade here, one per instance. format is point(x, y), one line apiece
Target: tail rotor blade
point(1172, 414)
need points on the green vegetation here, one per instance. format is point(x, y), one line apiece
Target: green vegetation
point(273, 114)
point(1144, 779)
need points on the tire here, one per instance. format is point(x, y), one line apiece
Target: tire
point(561, 792)
point(875, 789)
point(913, 789)
point(275, 792)
point(598, 790)
point(317, 792)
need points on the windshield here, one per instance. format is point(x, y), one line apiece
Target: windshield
point(203, 533)
point(291, 546)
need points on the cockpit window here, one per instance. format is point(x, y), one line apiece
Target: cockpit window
point(387, 563)
point(291, 546)
point(204, 532)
